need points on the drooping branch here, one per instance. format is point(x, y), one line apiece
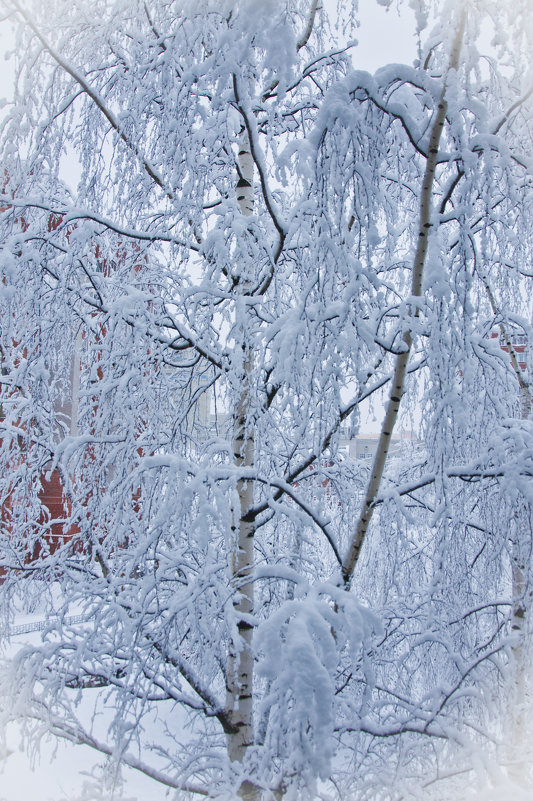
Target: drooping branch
point(323, 525)
point(154, 30)
point(196, 683)
point(73, 213)
point(460, 170)
point(302, 41)
point(79, 736)
point(523, 383)
point(307, 72)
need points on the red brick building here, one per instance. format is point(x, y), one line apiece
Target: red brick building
point(40, 513)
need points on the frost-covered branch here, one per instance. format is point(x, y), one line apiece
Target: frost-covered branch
point(71, 214)
point(78, 736)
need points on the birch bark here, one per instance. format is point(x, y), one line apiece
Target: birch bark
point(240, 663)
point(519, 555)
point(520, 549)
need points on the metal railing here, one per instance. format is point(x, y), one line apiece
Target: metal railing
point(41, 625)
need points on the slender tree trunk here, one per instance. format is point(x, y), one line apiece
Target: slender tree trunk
point(516, 719)
point(398, 381)
point(240, 664)
point(517, 712)
point(521, 604)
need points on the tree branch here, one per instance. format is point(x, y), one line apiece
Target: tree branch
point(79, 736)
point(254, 150)
point(74, 213)
point(310, 23)
point(512, 108)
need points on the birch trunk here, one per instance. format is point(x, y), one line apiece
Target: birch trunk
point(516, 720)
point(402, 359)
point(517, 716)
point(240, 663)
point(521, 602)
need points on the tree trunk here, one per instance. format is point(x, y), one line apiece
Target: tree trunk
point(240, 663)
point(516, 717)
point(521, 603)
point(400, 369)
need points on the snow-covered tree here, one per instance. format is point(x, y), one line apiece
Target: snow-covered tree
point(220, 240)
